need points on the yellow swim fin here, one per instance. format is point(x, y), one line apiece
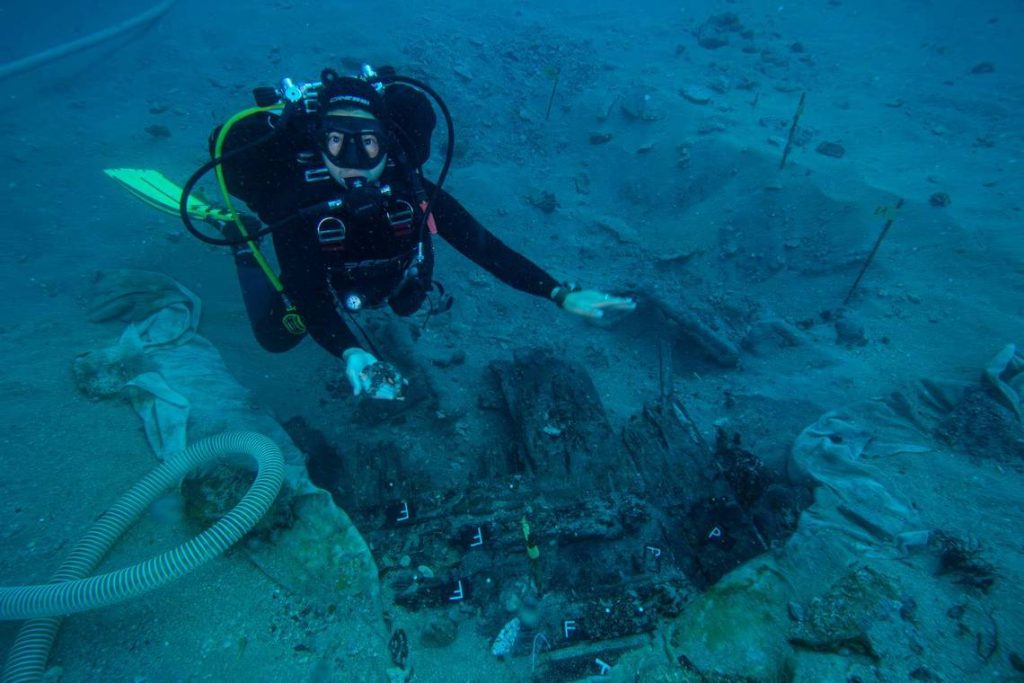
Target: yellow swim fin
point(162, 194)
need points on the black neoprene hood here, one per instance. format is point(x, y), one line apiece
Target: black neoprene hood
point(345, 92)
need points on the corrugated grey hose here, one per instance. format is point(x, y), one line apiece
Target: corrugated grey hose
point(68, 590)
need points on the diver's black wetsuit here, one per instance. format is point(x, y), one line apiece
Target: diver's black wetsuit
point(371, 261)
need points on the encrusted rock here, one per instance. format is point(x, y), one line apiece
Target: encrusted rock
point(440, 632)
point(697, 94)
point(714, 32)
point(851, 617)
point(850, 333)
point(159, 131)
point(831, 149)
point(641, 105)
point(543, 200)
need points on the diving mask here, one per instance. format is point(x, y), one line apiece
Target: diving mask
point(353, 141)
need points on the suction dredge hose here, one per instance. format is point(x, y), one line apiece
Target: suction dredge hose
point(71, 589)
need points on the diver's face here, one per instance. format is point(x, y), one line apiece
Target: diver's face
point(368, 141)
point(345, 138)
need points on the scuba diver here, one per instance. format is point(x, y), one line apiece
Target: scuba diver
point(333, 170)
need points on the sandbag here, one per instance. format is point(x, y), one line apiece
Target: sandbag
point(182, 391)
point(832, 588)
